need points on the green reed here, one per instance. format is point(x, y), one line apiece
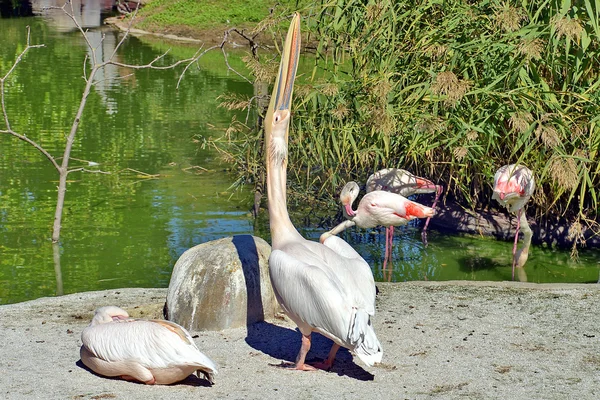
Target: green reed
point(452, 90)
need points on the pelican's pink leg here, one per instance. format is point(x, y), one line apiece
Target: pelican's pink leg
point(515, 244)
point(328, 363)
point(301, 357)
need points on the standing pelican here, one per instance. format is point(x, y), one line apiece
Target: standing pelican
point(326, 288)
point(377, 208)
point(513, 186)
point(404, 183)
point(149, 351)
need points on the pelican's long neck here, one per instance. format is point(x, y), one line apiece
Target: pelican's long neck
point(279, 218)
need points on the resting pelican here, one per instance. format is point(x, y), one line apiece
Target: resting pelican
point(377, 208)
point(513, 186)
point(149, 351)
point(326, 288)
point(404, 183)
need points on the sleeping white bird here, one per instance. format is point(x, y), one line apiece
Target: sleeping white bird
point(150, 351)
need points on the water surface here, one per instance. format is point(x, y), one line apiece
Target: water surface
point(164, 192)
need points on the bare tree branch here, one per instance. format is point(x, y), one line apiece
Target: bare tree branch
point(9, 129)
point(194, 59)
point(91, 65)
point(226, 35)
point(91, 171)
point(20, 56)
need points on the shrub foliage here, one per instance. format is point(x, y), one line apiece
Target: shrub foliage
point(451, 90)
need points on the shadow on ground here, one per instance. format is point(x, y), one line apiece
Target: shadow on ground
point(283, 343)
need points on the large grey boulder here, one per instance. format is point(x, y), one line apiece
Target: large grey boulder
point(222, 284)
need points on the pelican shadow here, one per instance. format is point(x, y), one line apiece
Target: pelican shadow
point(280, 343)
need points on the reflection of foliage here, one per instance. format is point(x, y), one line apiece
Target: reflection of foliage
point(116, 228)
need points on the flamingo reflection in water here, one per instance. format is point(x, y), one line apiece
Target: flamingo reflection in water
point(513, 187)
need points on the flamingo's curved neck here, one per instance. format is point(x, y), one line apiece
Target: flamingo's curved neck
point(527, 233)
point(523, 253)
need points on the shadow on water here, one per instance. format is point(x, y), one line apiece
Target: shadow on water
point(10, 8)
point(276, 341)
point(474, 264)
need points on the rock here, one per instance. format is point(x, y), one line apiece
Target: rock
point(222, 284)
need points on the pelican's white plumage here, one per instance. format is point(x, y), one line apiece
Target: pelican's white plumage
point(149, 351)
point(326, 288)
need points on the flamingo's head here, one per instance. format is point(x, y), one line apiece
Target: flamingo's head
point(347, 196)
point(423, 183)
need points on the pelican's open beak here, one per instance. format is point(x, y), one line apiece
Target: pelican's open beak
point(281, 98)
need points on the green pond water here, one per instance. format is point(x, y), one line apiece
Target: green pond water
point(126, 229)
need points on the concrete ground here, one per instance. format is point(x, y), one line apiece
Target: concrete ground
point(445, 340)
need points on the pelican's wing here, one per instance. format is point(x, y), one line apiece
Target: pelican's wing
point(152, 344)
point(176, 329)
point(312, 295)
point(353, 271)
point(349, 267)
point(316, 298)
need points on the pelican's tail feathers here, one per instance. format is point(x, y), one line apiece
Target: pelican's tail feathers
point(362, 336)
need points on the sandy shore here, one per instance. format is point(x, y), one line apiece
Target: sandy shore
point(441, 340)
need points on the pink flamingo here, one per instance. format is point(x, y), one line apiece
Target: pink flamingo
point(513, 186)
point(150, 351)
point(404, 183)
point(323, 287)
point(377, 208)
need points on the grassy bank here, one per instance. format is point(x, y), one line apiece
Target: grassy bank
point(194, 18)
